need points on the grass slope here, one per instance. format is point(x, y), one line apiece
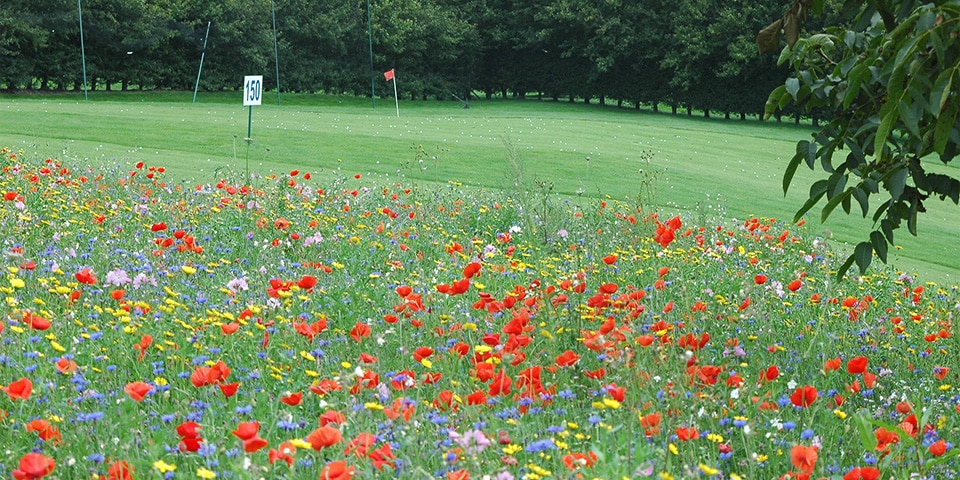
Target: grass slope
point(698, 166)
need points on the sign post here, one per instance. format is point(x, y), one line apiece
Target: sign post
point(252, 95)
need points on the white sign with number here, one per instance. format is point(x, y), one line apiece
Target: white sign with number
point(252, 90)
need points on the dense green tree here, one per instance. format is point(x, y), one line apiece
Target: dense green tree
point(22, 38)
point(892, 80)
point(426, 42)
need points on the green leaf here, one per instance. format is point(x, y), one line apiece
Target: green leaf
point(817, 191)
point(863, 199)
point(835, 185)
point(941, 91)
point(912, 216)
point(879, 245)
point(887, 229)
point(858, 75)
point(769, 38)
point(897, 182)
point(793, 86)
point(910, 113)
point(773, 101)
point(888, 115)
point(832, 204)
point(863, 254)
point(792, 168)
point(945, 124)
point(791, 26)
point(840, 274)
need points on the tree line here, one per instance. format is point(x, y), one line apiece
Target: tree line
point(686, 54)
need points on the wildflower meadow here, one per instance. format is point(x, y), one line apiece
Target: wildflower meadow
point(273, 326)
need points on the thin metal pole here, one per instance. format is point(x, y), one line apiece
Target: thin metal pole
point(395, 97)
point(83, 54)
point(276, 51)
point(373, 88)
point(202, 53)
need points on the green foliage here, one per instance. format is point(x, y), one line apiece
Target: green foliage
point(575, 49)
point(891, 79)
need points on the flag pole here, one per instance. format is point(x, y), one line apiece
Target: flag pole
point(276, 51)
point(83, 54)
point(203, 52)
point(395, 98)
point(373, 88)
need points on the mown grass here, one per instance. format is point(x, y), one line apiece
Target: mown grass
point(674, 163)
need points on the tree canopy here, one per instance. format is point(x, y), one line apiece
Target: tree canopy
point(889, 76)
point(640, 52)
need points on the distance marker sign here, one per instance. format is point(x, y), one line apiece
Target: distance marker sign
point(252, 90)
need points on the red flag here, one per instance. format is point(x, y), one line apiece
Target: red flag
point(388, 74)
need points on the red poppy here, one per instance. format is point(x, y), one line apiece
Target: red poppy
point(458, 475)
point(323, 437)
point(770, 374)
point(804, 396)
point(158, 227)
point(190, 439)
point(229, 389)
point(477, 398)
point(610, 259)
point(360, 331)
point(687, 433)
point(616, 392)
point(203, 376)
point(36, 322)
point(332, 416)
point(45, 430)
point(794, 285)
point(500, 384)
point(360, 444)
point(885, 438)
point(229, 328)
point(422, 352)
point(284, 452)
point(471, 269)
point(20, 389)
point(246, 430)
point(864, 473)
point(190, 444)
point(338, 470)
point(938, 448)
point(804, 458)
point(307, 282)
point(145, 342)
point(382, 457)
point(120, 470)
point(857, 365)
point(292, 399)
point(760, 279)
point(138, 390)
point(33, 466)
point(86, 277)
point(576, 460)
point(567, 359)
point(831, 364)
